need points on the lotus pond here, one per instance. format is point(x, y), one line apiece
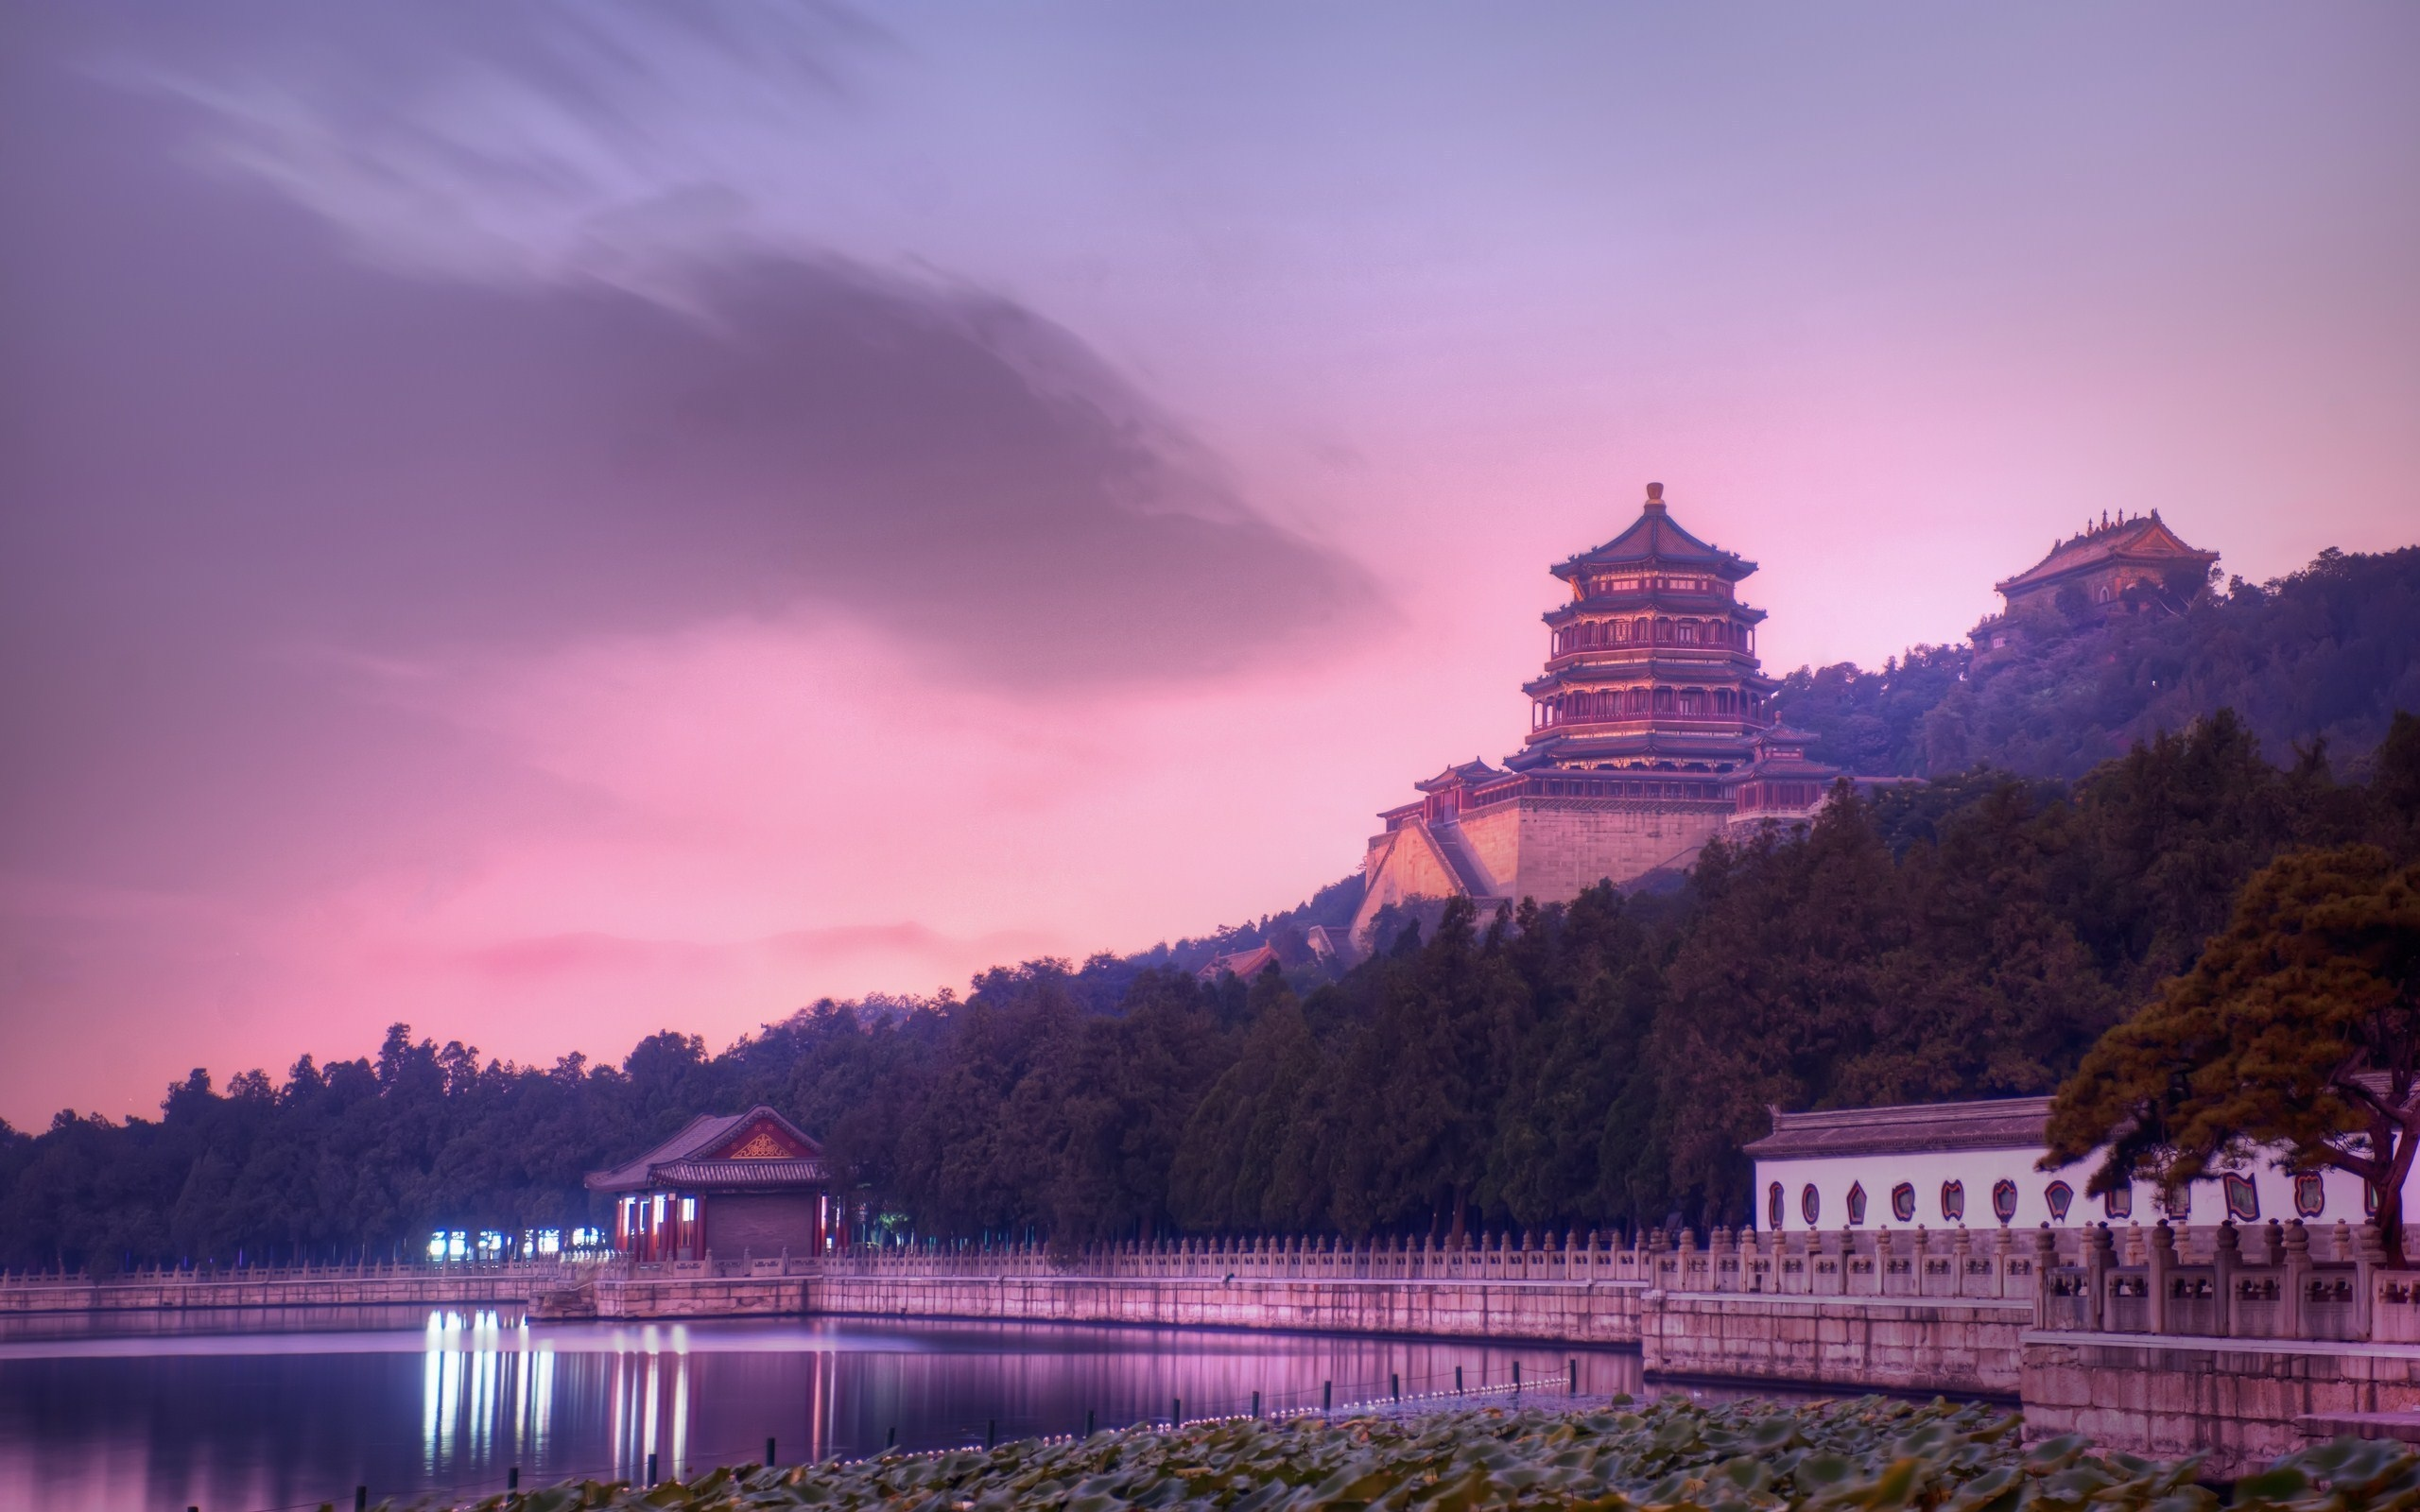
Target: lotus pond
point(1740, 1456)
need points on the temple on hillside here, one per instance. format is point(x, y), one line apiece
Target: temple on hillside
point(1649, 733)
point(726, 1187)
point(2129, 565)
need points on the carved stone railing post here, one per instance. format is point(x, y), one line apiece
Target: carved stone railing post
point(2369, 1253)
point(1962, 1249)
point(2226, 1258)
point(2297, 1277)
point(2100, 1253)
point(2162, 1267)
point(2045, 1257)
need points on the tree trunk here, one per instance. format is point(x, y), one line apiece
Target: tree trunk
point(1454, 1234)
point(2388, 1194)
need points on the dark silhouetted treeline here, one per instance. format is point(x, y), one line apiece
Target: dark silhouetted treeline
point(1591, 1064)
point(2325, 654)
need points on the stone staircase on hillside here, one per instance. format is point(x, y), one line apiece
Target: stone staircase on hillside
point(1456, 849)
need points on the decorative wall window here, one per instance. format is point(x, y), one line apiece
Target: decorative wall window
point(1773, 1214)
point(1953, 1201)
point(2311, 1196)
point(2177, 1204)
point(2004, 1201)
point(1903, 1202)
point(1810, 1204)
point(2058, 1196)
point(2243, 1198)
point(2118, 1202)
point(1856, 1202)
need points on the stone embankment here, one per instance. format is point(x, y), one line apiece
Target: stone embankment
point(1597, 1313)
point(2153, 1341)
point(178, 1291)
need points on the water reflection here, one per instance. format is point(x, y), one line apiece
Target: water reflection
point(165, 1413)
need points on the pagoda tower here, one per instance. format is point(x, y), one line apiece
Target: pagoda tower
point(1652, 664)
point(1651, 733)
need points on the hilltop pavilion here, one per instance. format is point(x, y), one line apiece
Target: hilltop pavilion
point(2130, 565)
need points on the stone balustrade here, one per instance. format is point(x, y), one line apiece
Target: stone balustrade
point(176, 1289)
point(1560, 1259)
point(2271, 1281)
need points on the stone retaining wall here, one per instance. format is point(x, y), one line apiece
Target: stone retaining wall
point(1598, 1312)
point(1894, 1343)
point(733, 1296)
point(2239, 1401)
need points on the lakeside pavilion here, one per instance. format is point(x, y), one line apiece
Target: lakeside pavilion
point(730, 1184)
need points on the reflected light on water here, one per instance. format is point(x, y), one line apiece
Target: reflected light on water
point(276, 1410)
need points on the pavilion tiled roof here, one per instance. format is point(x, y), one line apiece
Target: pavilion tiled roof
point(1243, 963)
point(1474, 770)
point(2145, 538)
point(1655, 535)
point(1996, 1123)
point(697, 1138)
point(738, 1172)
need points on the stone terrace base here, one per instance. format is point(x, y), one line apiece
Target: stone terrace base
point(693, 1297)
point(1965, 1347)
point(2240, 1402)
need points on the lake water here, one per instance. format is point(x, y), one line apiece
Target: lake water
point(247, 1412)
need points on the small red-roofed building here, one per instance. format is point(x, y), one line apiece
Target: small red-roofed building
point(728, 1185)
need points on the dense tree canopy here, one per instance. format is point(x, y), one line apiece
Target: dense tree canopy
point(1584, 1064)
point(2299, 1026)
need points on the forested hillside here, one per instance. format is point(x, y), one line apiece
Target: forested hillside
point(1583, 1065)
point(2326, 654)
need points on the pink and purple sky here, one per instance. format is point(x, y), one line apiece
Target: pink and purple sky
point(551, 521)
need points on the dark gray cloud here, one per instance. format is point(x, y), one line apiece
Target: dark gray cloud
point(228, 429)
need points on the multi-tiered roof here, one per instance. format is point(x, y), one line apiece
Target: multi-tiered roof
point(2104, 560)
point(1653, 661)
